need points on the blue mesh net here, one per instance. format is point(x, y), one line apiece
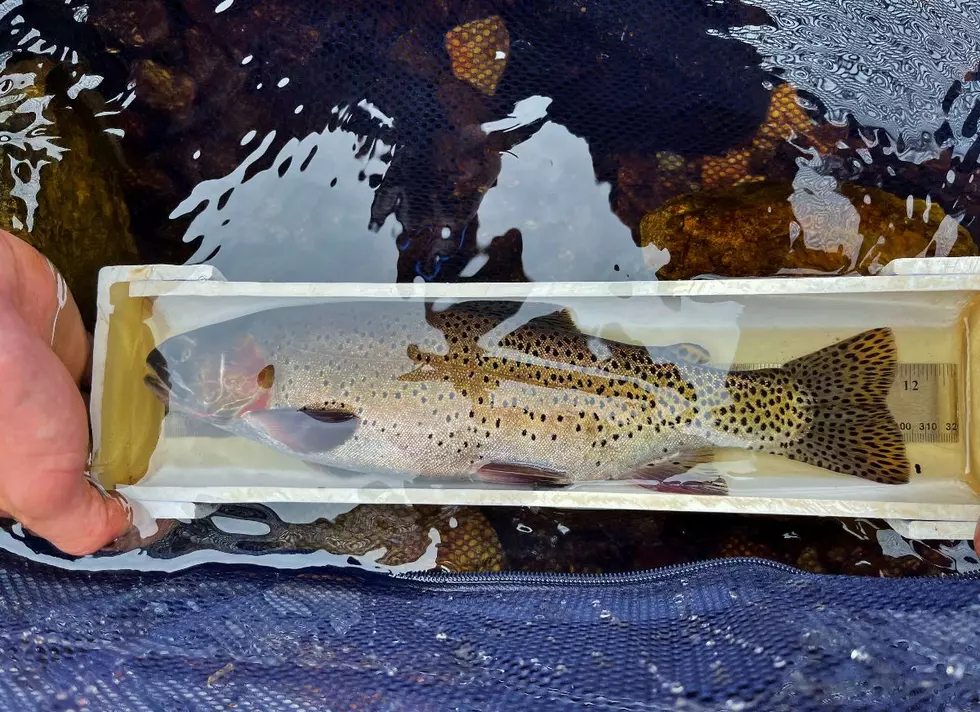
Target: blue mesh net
point(733, 635)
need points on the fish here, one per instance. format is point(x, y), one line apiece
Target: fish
point(516, 394)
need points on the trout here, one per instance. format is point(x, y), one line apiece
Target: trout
point(478, 390)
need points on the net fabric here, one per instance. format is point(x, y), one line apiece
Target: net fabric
point(740, 634)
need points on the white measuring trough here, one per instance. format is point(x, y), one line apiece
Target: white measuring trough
point(175, 475)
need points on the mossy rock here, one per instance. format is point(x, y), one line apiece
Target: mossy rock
point(78, 217)
point(767, 228)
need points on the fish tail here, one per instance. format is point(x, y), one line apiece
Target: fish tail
point(853, 431)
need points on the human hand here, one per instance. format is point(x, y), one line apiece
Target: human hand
point(44, 435)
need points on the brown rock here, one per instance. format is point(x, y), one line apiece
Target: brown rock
point(785, 121)
point(162, 88)
point(760, 229)
point(478, 51)
point(741, 542)
point(809, 560)
point(132, 23)
point(67, 197)
point(217, 76)
point(644, 183)
point(467, 541)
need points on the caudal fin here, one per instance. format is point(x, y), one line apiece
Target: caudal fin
point(853, 432)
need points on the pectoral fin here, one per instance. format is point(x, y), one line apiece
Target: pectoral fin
point(665, 475)
point(304, 431)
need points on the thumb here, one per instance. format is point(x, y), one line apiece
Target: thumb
point(87, 521)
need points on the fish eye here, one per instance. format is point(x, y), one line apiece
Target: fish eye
point(266, 377)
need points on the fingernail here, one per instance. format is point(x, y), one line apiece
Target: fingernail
point(136, 514)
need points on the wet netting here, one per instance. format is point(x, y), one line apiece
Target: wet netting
point(735, 635)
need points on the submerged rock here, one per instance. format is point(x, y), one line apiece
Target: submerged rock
point(466, 541)
point(63, 190)
point(457, 539)
point(810, 226)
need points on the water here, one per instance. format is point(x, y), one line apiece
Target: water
point(283, 142)
point(741, 331)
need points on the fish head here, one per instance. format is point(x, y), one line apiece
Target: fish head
point(214, 373)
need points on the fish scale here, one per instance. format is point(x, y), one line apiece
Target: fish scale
point(477, 389)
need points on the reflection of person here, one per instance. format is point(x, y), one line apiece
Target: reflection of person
point(44, 436)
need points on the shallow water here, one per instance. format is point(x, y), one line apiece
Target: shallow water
point(503, 141)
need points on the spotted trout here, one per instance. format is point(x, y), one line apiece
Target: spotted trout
point(479, 390)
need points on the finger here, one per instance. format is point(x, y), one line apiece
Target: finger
point(38, 292)
point(89, 521)
point(136, 539)
point(86, 378)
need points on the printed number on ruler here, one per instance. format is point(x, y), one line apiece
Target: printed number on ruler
point(924, 401)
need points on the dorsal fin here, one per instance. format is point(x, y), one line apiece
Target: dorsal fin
point(488, 314)
point(683, 353)
point(480, 315)
point(560, 320)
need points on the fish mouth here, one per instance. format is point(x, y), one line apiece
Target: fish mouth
point(167, 388)
point(157, 364)
point(158, 376)
point(159, 387)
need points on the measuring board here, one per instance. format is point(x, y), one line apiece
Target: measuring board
point(923, 399)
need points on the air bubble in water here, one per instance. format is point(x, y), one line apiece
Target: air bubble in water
point(860, 655)
point(524, 529)
point(734, 705)
point(955, 671)
point(779, 663)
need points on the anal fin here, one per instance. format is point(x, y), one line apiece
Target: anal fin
point(668, 474)
point(510, 473)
